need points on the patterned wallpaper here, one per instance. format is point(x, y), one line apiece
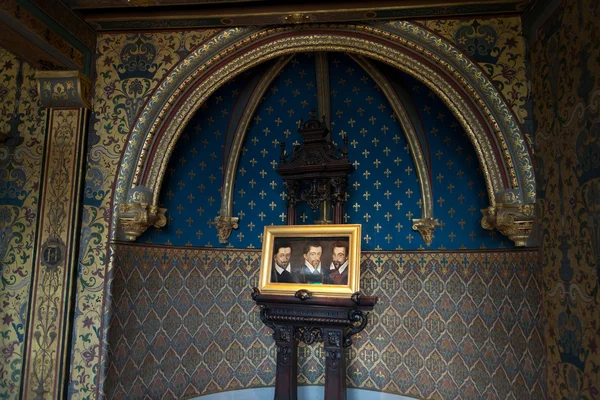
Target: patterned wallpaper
point(20, 172)
point(565, 76)
point(384, 191)
point(447, 325)
point(129, 66)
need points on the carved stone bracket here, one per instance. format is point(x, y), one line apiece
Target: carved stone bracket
point(138, 214)
point(512, 220)
point(224, 226)
point(425, 226)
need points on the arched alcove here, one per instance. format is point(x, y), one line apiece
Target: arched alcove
point(491, 127)
point(182, 323)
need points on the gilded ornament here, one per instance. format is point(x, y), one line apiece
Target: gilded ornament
point(138, 214)
point(135, 218)
point(297, 18)
point(331, 43)
point(224, 226)
point(425, 226)
point(512, 220)
point(413, 37)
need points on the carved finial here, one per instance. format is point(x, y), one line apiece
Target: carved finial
point(282, 155)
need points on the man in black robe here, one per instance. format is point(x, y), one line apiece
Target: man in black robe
point(312, 272)
point(282, 270)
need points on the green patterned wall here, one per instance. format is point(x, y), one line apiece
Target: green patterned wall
point(565, 76)
point(20, 173)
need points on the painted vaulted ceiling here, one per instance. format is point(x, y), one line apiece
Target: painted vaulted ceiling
point(380, 109)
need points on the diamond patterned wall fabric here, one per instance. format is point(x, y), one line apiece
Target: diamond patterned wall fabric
point(447, 325)
point(384, 190)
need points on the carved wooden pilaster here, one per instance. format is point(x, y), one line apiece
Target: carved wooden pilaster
point(512, 220)
point(335, 364)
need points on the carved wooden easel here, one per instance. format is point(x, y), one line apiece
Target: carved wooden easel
point(315, 172)
point(332, 321)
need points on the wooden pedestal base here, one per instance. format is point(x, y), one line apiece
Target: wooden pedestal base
point(332, 321)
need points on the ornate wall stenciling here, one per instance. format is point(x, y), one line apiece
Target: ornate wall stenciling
point(418, 148)
point(446, 325)
point(20, 175)
point(50, 317)
point(565, 77)
point(129, 66)
point(497, 45)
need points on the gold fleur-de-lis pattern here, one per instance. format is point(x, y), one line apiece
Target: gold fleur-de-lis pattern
point(384, 194)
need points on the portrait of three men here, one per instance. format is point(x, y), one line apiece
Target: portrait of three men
point(321, 261)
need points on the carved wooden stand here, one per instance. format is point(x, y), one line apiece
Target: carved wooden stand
point(332, 321)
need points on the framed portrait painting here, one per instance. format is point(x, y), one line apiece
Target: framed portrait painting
point(323, 259)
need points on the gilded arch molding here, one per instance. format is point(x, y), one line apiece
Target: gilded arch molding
point(464, 88)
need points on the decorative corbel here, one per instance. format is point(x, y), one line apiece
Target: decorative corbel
point(512, 220)
point(425, 226)
point(224, 226)
point(138, 214)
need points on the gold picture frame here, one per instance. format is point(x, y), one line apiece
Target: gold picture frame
point(299, 244)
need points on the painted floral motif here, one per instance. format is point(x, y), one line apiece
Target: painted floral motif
point(566, 94)
point(20, 171)
point(129, 66)
point(497, 46)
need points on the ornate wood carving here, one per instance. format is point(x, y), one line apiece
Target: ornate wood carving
point(315, 172)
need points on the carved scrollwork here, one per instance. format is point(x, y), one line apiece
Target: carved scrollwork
point(359, 322)
point(512, 220)
point(315, 194)
point(338, 195)
point(292, 192)
point(285, 355)
point(308, 335)
point(224, 227)
point(425, 226)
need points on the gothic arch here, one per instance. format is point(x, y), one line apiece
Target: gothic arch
point(477, 104)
